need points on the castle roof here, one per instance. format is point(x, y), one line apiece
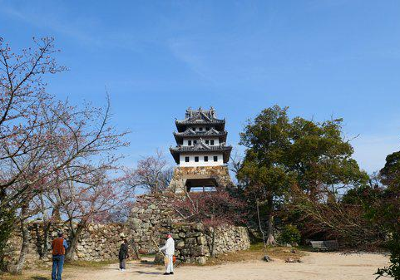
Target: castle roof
point(200, 117)
point(190, 133)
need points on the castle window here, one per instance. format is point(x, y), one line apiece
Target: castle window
point(212, 142)
point(205, 158)
point(186, 159)
point(189, 142)
point(194, 142)
point(207, 141)
point(200, 129)
point(215, 158)
point(196, 159)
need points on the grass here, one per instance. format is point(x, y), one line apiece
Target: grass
point(256, 252)
point(150, 256)
point(26, 276)
point(42, 272)
point(89, 264)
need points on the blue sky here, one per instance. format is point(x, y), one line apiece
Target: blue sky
point(322, 58)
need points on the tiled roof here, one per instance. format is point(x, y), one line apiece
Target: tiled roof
point(200, 116)
point(191, 132)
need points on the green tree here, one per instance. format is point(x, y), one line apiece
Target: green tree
point(321, 159)
point(263, 171)
point(324, 169)
point(290, 234)
point(284, 154)
point(385, 212)
point(390, 173)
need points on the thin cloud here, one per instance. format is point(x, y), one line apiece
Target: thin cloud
point(184, 51)
point(37, 17)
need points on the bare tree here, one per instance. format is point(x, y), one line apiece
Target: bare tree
point(84, 191)
point(235, 162)
point(89, 200)
point(22, 137)
point(152, 173)
point(45, 144)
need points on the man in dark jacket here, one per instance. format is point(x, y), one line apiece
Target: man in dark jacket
point(123, 255)
point(58, 245)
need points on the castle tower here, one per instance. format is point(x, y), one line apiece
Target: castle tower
point(201, 152)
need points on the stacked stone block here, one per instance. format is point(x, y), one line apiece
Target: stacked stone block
point(154, 216)
point(150, 220)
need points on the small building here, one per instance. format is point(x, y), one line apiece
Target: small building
point(201, 152)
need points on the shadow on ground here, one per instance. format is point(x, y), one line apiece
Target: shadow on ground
point(147, 272)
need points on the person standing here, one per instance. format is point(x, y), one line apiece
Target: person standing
point(59, 245)
point(169, 249)
point(123, 255)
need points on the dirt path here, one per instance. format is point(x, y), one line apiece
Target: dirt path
point(321, 266)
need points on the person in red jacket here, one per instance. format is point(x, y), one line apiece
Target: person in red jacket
point(59, 245)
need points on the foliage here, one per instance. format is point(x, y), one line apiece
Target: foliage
point(286, 154)
point(321, 158)
point(211, 208)
point(335, 220)
point(263, 171)
point(390, 173)
point(289, 234)
point(385, 212)
point(363, 195)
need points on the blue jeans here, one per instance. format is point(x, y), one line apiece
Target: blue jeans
point(58, 262)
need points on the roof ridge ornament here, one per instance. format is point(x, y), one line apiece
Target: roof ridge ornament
point(212, 112)
point(189, 112)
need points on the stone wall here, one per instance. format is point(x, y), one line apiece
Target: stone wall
point(218, 173)
point(150, 218)
point(97, 243)
point(153, 217)
point(229, 239)
point(195, 244)
point(101, 242)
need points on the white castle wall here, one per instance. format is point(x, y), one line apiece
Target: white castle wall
point(216, 141)
point(201, 162)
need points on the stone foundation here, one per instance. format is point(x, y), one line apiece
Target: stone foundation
point(151, 218)
point(154, 216)
point(220, 174)
point(97, 243)
point(195, 244)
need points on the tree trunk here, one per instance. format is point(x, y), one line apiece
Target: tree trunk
point(25, 243)
point(260, 227)
point(73, 241)
point(213, 243)
point(46, 229)
point(7, 220)
point(270, 228)
point(39, 240)
point(213, 232)
point(56, 216)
